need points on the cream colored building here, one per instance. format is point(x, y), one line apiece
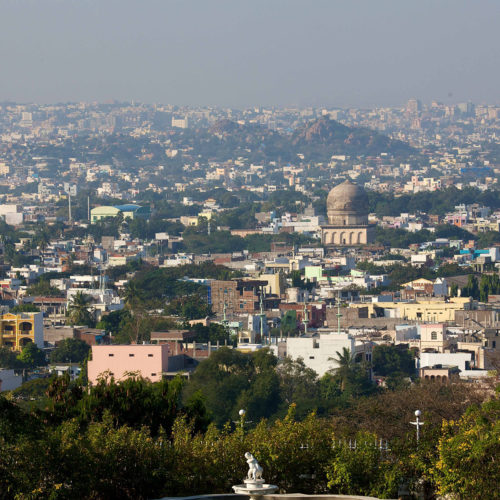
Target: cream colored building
point(433, 337)
point(347, 209)
point(437, 311)
point(275, 283)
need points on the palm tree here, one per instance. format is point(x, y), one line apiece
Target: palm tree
point(345, 366)
point(132, 296)
point(78, 310)
point(134, 302)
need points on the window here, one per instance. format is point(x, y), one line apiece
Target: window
point(131, 355)
point(150, 355)
point(110, 355)
point(434, 336)
point(311, 357)
point(153, 374)
point(493, 344)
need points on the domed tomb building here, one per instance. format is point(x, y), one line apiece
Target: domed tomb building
point(347, 209)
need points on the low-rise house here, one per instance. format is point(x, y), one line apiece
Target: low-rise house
point(440, 373)
point(120, 361)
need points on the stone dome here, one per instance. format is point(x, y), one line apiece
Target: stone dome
point(347, 204)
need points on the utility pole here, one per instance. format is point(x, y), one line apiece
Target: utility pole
point(69, 205)
point(338, 313)
point(262, 316)
point(88, 208)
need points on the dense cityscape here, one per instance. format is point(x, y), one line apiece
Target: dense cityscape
point(249, 250)
point(206, 278)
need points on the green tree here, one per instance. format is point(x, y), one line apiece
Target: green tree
point(299, 386)
point(8, 358)
point(352, 376)
point(472, 288)
point(32, 356)
point(468, 450)
point(113, 322)
point(488, 285)
point(345, 367)
point(230, 380)
point(43, 289)
point(289, 323)
point(79, 310)
point(24, 308)
point(363, 470)
point(390, 359)
point(70, 350)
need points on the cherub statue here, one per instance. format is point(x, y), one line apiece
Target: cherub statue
point(254, 469)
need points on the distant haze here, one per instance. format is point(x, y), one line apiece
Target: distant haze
point(255, 52)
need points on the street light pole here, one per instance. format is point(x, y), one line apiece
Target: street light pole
point(417, 423)
point(242, 413)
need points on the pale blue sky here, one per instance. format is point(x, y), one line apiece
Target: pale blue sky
point(245, 53)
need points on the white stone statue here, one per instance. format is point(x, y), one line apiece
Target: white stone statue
point(254, 469)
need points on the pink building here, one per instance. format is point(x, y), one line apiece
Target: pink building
point(149, 361)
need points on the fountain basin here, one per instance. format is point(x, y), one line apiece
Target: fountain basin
point(254, 489)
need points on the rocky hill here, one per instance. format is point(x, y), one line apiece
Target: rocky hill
point(317, 141)
point(324, 137)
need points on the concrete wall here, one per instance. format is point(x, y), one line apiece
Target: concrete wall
point(150, 361)
point(9, 380)
point(38, 329)
point(445, 358)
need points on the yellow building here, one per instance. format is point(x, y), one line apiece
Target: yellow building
point(275, 283)
point(436, 311)
point(16, 330)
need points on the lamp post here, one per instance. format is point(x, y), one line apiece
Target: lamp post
point(242, 413)
point(417, 423)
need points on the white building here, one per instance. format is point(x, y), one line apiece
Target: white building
point(180, 122)
point(318, 351)
point(461, 359)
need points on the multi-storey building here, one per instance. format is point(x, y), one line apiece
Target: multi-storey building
point(17, 330)
point(236, 296)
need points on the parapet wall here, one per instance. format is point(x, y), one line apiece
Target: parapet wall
point(286, 496)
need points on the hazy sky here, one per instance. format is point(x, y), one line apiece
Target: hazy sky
point(256, 52)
